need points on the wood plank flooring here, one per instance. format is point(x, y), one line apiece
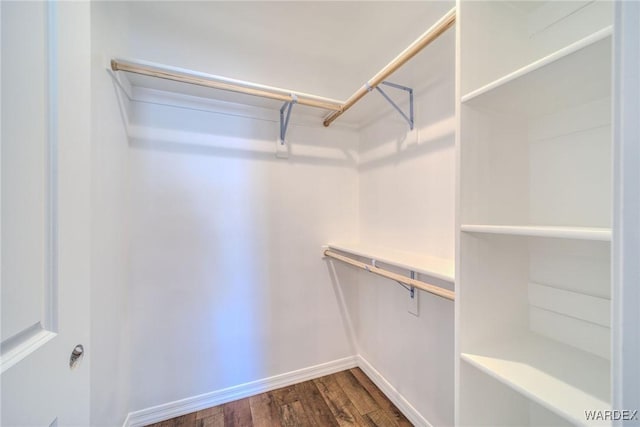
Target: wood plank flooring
point(347, 398)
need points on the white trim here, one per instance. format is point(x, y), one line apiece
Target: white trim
point(127, 420)
point(392, 394)
point(51, 307)
point(626, 198)
point(191, 404)
point(458, 218)
point(27, 344)
point(188, 405)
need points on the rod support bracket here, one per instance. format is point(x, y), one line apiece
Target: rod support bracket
point(412, 291)
point(284, 117)
point(410, 117)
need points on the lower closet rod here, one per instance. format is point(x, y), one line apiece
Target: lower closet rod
point(436, 290)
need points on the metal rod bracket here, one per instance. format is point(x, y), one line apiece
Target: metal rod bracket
point(409, 118)
point(410, 288)
point(407, 287)
point(412, 291)
point(284, 119)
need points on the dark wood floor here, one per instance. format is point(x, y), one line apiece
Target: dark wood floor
point(347, 398)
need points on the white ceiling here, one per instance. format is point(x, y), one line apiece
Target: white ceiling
point(321, 47)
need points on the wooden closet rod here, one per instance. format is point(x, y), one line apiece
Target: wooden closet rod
point(436, 290)
point(224, 83)
point(424, 40)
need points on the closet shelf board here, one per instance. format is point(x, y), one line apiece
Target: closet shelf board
point(439, 268)
point(577, 74)
point(576, 233)
point(193, 88)
point(565, 380)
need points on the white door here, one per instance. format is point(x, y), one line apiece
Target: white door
point(45, 216)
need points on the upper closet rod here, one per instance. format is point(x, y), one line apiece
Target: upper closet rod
point(430, 35)
point(223, 83)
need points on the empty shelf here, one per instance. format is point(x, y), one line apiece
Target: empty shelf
point(579, 233)
point(576, 74)
point(563, 379)
point(439, 268)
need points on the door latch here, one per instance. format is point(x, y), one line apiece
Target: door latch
point(76, 354)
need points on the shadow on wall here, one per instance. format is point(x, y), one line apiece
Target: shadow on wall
point(346, 297)
point(396, 151)
point(194, 227)
point(389, 140)
point(344, 159)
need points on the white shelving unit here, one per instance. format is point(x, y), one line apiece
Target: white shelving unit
point(533, 262)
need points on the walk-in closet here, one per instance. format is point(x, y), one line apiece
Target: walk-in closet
point(320, 213)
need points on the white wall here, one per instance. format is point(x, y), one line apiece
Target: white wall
point(407, 201)
point(110, 355)
point(226, 279)
point(227, 284)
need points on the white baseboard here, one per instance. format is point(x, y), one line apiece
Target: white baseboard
point(191, 404)
point(403, 404)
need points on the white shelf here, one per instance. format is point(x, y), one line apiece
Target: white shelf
point(562, 379)
point(141, 87)
point(576, 74)
point(579, 233)
point(439, 268)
